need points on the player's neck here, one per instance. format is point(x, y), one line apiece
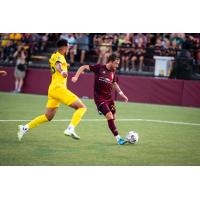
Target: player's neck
point(59, 51)
point(108, 66)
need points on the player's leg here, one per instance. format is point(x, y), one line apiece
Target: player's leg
point(108, 110)
point(17, 75)
point(80, 108)
point(141, 58)
point(76, 118)
point(72, 56)
point(71, 100)
point(52, 106)
point(21, 81)
point(127, 63)
point(48, 116)
point(133, 60)
point(16, 84)
point(122, 63)
point(82, 57)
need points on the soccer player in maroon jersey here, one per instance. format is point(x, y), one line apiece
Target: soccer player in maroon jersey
point(105, 81)
point(3, 73)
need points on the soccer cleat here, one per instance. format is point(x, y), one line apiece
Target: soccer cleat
point(21, 132)
point(70, 132)
point(121, 141)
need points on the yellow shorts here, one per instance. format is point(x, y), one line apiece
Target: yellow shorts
point(60, 95)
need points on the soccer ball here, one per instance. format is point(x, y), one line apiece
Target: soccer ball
point(132, 137)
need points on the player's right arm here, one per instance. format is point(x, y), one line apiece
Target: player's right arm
point(78, 73)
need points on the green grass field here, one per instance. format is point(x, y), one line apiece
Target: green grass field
point(160, 143)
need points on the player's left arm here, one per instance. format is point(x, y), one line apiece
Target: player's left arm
point(59, 69)
point(119, 91)
point(3, 73)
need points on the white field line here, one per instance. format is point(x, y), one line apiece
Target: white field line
point(99, 120)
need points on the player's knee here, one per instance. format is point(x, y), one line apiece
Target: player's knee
point(82, 106)
point(109, 116)
point(49, 117)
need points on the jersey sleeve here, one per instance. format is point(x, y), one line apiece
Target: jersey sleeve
point(94, 68)
point(59, 59)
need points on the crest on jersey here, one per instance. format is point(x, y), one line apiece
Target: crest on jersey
point(103, 72)
point(59, 58)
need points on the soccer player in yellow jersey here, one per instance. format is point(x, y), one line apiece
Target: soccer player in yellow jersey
point(58, 93)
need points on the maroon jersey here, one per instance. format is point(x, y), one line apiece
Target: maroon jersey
point(104, 80)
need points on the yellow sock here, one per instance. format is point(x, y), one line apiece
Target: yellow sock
point(78, 114)
point(37, 121)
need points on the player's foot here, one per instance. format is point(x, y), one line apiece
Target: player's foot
point(121, 141)
point(71, 132)
point(21, 132)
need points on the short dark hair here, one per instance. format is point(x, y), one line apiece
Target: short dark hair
point(62, 43)
point(112, 58)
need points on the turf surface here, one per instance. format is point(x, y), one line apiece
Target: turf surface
point(159, 143)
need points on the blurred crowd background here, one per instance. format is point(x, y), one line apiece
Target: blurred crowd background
point(136, 50)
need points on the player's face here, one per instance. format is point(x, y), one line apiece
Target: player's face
point(64, 50)
point(115, 64)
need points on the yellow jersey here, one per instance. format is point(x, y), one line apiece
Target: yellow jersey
point(57, 81)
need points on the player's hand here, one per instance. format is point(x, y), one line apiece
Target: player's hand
point(125, 98)
point(64, 74)
point(74, 79)
point(3, 73)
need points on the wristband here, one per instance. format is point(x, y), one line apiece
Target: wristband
point(63, 72)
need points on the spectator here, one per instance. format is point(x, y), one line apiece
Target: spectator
point(197, 63)
point(115, 42)
point(105, 50)
point(138, 54)
point(72, 45)
point(149, 38)
point(20, 69)
point(29, 41)
point(158, 47)
point(8, 51)
point(166, 47)
point(121, 39)
point(125, 53)
point(196, 41)
point(140, 38)
point(15, 36)
point(97, 40)
point(178, 38)
point(41, 40)
point(183, 65)
point(174, 49)
point(83, 46)
point(53, 37)
point(169, 50)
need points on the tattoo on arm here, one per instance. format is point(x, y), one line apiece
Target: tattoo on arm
point(59, 66)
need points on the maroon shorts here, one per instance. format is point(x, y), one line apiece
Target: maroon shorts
point(105, 106)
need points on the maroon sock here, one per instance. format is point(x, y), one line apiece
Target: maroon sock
point(112, 127)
